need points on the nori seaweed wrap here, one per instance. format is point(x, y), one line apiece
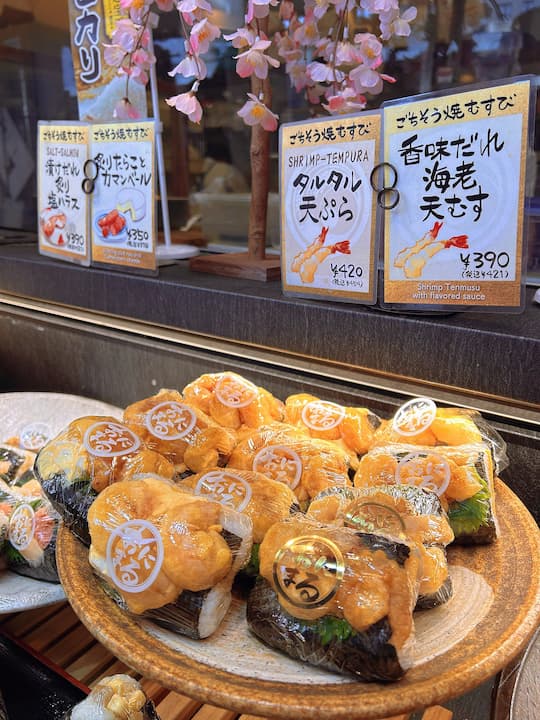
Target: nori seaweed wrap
point(15, 463)
point(336, 598)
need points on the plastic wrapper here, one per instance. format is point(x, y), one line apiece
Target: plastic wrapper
point(351, 427)
point(233, 401)
point(183, 433)
point(15, 463)
point(166, 554)
point(397, 511)
point(117, 697)
point(29, 526)
point(263, 500)
point(335, 597)
point(90, 454)
point(420, 422)
point(3, 711)
point(461, 476)
point(286, 454)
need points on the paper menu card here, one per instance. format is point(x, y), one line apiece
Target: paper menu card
point(328, 207)
point(456, 236)
point(62, 204)
point(123, 222)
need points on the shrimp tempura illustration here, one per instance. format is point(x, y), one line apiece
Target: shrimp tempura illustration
point(309, 268)
point(309, 251)
point(413, 259)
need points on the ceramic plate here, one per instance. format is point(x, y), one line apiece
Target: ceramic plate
point(36, 418)
point(494, 612)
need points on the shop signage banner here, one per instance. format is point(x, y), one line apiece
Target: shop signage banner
point(455, 238)
point(123, 226)
point(328, 207)
point(99, 88)
point(62, 204)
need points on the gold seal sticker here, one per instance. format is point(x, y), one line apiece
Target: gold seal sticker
point(308, 571)
point(373, 517)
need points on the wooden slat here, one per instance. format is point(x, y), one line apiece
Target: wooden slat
point(51, 629)
point(117, 668)
point(397, 717)
point(210, 712)
point(153, 690)
point(177, 707)
point(71, 646)
point(90, 664)
point(22, 623)
point(437, 713)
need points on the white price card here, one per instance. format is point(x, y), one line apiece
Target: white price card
point(121, 180)
point(62, 204)
point(456, 236)
point(328, 207)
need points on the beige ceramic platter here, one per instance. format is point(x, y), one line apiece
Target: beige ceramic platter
point(493, 614)
point(36, 417)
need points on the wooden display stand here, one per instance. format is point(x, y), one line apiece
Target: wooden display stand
point(238, 265)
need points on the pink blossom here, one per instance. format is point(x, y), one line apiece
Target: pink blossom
point(188, 104)
point(113, 54)
point(367, 80)
point(369, 49)
point(375, 7)
point(314, 93)
point(394, 24)
point(193, 6)
point(320, 72)
point(308, 32)
point(133, 4)
point(126, 35)
point(320, 7)
point(297, 74)
point(346, 101)
point(242, 38)
point(259, 8)
point(124, 110)
point(287, 48)
point(255, 112)
point(346, 54)
point(202, 34)
point(190, 67)
point(255, 61)
point(143, 59)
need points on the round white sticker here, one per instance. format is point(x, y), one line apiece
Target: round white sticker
point(226, 487)
point(234, 391)
point(108, 439)
point(21, 527)
point(279, 463)
point(414, 416)
point(322, 415)
point(134, 555)
point(428, 471)
point(170, 420)
point(35, 436)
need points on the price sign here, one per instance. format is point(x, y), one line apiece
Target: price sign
point(122, 177)
point(456, 236)
point(328, 207)
point(62, 205)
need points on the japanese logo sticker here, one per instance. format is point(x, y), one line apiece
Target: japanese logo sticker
point(328, 207)
point(456, 236)
point(225, 487)
point(170, 421)
point(134, 555)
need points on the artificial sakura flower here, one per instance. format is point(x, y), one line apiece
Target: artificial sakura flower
point(242, 38)
point(202, 34)
point(124, 110)
point(255, 112)
point(314, 93)
point(254, 61)
point(365, 79)
point(113, 54)
point(369, 49)
point(132, 4)
point(259, 9)
point(126, 35)
point(308, 32)
point(187, 103)
point(394, 24)
point(192, 10)
point(320, 72)
point(376, 7)
point(287, 48)
point(190, 66)
point(346, 101)
point(297, 74)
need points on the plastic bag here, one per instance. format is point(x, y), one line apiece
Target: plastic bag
point(29, 526)
point(397, 511)
point(167, 554)
point(233, 401)
point(351, 427)
point(187, 437)
point(420, 422)
point(335, 597)
point(117, 697)
point(89, 455)
point(461, 476)
point(15, 463)
point(284, 453)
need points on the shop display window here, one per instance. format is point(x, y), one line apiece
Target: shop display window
point(452, 43)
